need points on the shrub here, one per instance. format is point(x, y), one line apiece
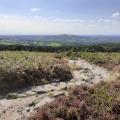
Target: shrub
point(84, 103)
point(108, 60)
point(22, 69)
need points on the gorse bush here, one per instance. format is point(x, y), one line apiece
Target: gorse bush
point(21, 69)
point(84, 103)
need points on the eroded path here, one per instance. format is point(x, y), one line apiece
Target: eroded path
point(86, 73)
point(29, 100)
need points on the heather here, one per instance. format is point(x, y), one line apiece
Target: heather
point(22, 69)
point(101, 102)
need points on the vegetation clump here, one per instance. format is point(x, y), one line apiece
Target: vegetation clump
point(22, 69)
point(108, 60)
point(101, 102)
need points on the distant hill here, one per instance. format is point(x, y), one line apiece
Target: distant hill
point(63, 39)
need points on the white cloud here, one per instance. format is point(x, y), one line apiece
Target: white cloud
point(35, 9)
point(10, 24)
point(67, 20)
point(115, 15)
point(101, 20)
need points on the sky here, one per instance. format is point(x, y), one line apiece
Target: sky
point(38, 17)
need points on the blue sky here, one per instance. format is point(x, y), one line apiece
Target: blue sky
point(60, 17)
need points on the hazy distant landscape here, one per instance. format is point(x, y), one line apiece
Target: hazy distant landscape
point(58, 40)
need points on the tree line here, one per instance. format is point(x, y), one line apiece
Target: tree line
point(93, 48)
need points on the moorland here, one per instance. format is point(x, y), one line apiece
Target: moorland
point(35, 65)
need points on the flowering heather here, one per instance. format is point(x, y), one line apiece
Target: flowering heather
point(84, 103)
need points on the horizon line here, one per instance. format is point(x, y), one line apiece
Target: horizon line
point(59, 34)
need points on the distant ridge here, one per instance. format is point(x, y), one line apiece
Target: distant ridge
point(63, 38)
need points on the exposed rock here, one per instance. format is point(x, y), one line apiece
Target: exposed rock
point(32, 104)
point(12, 96)
point(56, 94)
point(41, 92)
